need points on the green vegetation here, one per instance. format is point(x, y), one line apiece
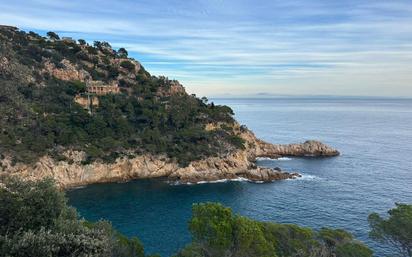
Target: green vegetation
point(53, 35)
point(40, 116)
point(82, 42)
point(216, 231)
point(128, 65)
point(122, 53)
point(396, 230)
point(35, 221)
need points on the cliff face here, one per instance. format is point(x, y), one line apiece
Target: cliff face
point(237, 165)
point(259, 148)
point(130, 125)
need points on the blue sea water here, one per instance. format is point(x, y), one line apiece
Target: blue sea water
point(373, 172)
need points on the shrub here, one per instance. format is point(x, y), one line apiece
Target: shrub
point(35, 221)
point(396, 230)
point(53, 35)
point(127, 65)
point(216, 231)
point(122, 53)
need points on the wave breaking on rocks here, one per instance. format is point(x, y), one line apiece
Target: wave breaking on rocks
point(239, 165)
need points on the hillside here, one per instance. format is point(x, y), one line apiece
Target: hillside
point(44, 80)
point(88, 113)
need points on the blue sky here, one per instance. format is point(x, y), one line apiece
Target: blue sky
point(245, 47)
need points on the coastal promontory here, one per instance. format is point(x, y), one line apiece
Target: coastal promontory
point(86, 113)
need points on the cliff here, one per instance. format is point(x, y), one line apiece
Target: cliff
point(235, 166)
point(86, 114)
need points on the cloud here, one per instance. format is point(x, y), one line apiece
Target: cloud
point(351, 47)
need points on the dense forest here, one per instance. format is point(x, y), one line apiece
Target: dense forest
point(35, 221)
point(41, 76)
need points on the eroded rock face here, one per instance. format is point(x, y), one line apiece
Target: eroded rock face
point(175, 88)
point(239, 164)
point(265, 174)
point(76, 174)
point(131, 74)
point(10, 69)
point(310, 148)
point(68, 72)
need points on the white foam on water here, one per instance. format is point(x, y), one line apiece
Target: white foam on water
point(284, 159)
point(258, 182)
point(274, 159)
point(307, 177)
point(264, 159)
point(238, 179)
point(77, 187)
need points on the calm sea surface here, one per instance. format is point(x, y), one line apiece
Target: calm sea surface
point(373, 172)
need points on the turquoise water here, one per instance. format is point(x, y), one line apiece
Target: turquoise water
point(373, 172)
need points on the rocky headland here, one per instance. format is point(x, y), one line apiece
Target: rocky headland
point(234, 166)
point(84, 114)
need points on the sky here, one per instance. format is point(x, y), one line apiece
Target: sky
point(245, 47)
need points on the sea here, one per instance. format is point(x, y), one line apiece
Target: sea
point(373, 172)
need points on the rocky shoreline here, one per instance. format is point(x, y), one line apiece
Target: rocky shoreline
point(235, 161)
point(239, 165)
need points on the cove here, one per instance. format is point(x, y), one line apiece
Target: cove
point(372, 174)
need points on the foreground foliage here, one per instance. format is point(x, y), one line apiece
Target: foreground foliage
point(396, 230)
point(217, 231)
point(35, 221)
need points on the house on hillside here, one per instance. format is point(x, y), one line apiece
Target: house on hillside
point(94, 89)
point(99, 88)
point(68, 40)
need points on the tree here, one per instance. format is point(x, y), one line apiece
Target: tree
point(76, 87)
point(340, 243)
point(333, 237)
point(353, 249)
point(127, 65)
point(212, 228)
point(105, 44)
point(35, 221)
point(52, 35)
point(30, 205)
point(396, 230)
point(122, 53)
point(82, 42)
point(97, 44)
point(290, 239)
point(204, 99)
point(249, 239)
point(216, 231)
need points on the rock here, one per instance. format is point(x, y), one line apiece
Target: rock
point(175, 88)
point(68, 71)
point(238, 164)
point(267, 175)
point(310, 148)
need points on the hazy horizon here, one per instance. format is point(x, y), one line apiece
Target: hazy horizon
point(355, 48)
point(320, 96)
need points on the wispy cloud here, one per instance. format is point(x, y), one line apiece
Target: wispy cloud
point(294, 47)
